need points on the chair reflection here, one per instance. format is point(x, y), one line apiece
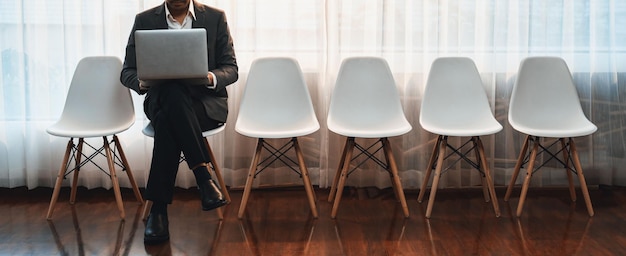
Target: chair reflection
point(431, 237)
point(216, 237)
point(394, 238)
point(182, 246)
point(393, 248)
point(65, 246)
point(526, 244)
point(252, 241)
point(475, 247)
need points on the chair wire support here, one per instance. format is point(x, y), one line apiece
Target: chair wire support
point(462, 156)
point(77, 149)
point(570, 162)
point(112, 151)
point(277, 154)
point(369, 154)
point(569, 165)
point(436, 163)
point(344, 170)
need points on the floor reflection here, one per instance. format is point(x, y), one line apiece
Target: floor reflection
point(431, 238)
point(163, 249)
point(252, 241)
point(569, 236)
point(471, 233)
point(189, 240)
point(57, 239)
point(216, 237)
point(339, 240)
point(65, 246)
point(393, 237)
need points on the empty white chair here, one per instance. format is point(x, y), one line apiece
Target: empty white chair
point(97, 105)
point(365, 104)
point(276, 104)
point(455, 104)
point(545, 106)
point(148, 130)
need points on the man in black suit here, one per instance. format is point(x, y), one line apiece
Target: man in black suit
point(180, 112)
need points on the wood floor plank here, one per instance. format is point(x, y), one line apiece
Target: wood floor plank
point(278, 222)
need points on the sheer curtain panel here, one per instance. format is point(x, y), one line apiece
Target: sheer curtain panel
point(41, 41)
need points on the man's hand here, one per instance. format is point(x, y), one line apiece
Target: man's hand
point(211, 80)
point(143, 86)
point(210, 77)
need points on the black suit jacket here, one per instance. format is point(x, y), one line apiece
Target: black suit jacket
point(222, 61)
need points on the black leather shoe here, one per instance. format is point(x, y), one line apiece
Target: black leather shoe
point(157, 230)
point(210, 195)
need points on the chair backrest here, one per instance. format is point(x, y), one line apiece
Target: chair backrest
point(365, 101)
point(276, 101)
point(97, 104)
point(544, 101)
point(455, 102)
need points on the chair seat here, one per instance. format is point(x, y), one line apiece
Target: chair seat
point(379, 130)
point(85, 130)
point(277, 132)
point(148, 130)
point(557, 130)
point(463, 128)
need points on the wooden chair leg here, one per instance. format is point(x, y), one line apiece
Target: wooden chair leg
point(487, 176)
point(146, 210)
point(433, 189)
point(429, 169)
point(529, 174)
point(518, 166)
point(305, 178)
point(250, 178)
point(483, 179)
point(344, 173)
point(129, 173)
point(333, 186)
point(388, 160)
point(395, 176)
point(220, 179)
point(59, 180)
point(581, 177)
point(114, 180)
point(218, 171)
point(77, 161)
point(570, 179)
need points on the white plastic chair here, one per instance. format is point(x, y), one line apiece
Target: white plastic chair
point(365, 104)
point(545, 104)
point(276, 104)
point(97, 105)
point(455, 104)
point(148, 130)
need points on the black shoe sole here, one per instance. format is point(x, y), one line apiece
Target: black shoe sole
point(156, 239)
point(215, 206)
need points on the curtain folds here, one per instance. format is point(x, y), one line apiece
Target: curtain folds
point(41, 41)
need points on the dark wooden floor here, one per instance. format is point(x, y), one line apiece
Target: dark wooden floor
point(278, 222)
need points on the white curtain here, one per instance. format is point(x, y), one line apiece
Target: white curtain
point(41, 42)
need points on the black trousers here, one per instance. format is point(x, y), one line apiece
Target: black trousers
point(178, 120)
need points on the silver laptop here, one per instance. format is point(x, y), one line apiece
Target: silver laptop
point(172, 54)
